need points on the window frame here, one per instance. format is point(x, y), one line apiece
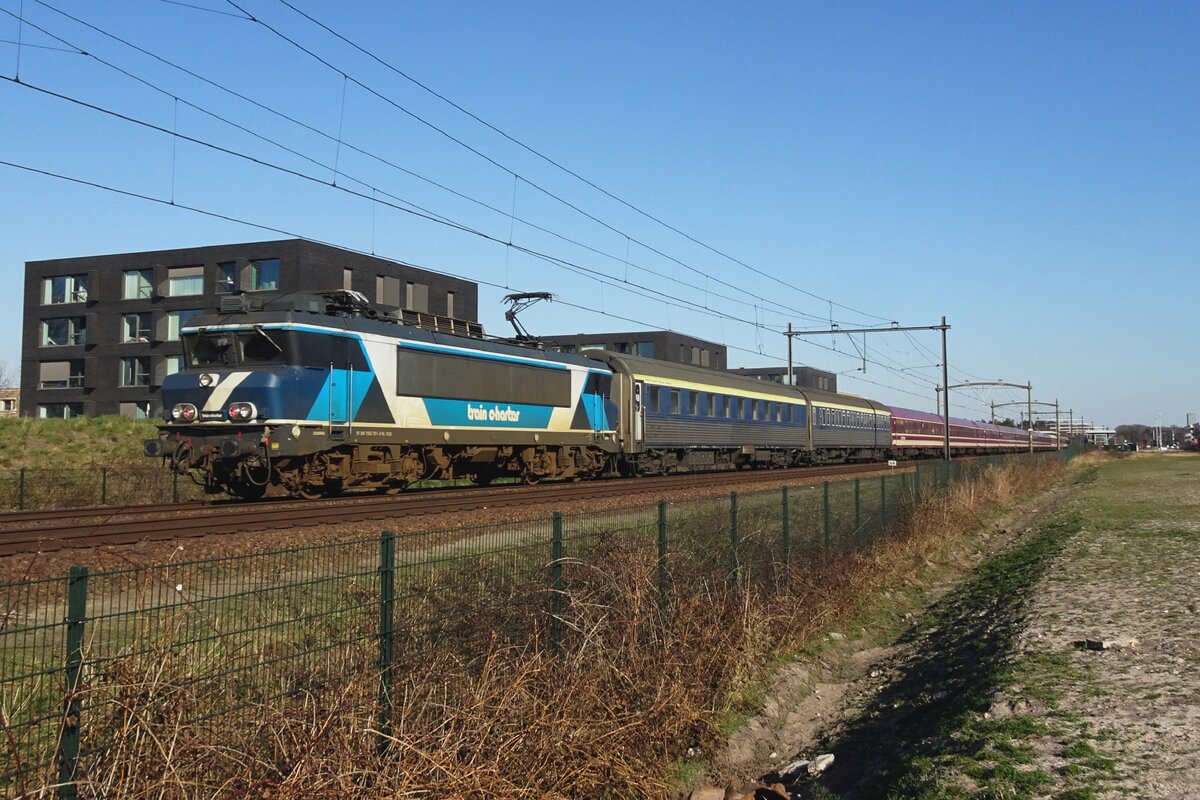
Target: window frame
point(139, 378)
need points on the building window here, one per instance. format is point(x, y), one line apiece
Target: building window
point(135, 327)
point(416, 297)
point(185, 281)
point(135, 371)
point(60, 375)
point(60, 410)
point(173, 364)
point(8, 405)
point(64, 331)
point(704, 357)
point(567, 348)
point(227, 277)
point(644, 349)
point(178, 319)
point(449, 304)
point(695, 355)
point(264, 274)
point(136, 410)
point(387, 291)
point(64, 289)
point(347, 279)
point(139, 284)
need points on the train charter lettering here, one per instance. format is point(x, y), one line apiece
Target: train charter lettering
point(482, 413)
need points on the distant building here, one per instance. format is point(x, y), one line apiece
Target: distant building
point(101, 332)
point(804, 377)
point(663, 345)
point(10, 402)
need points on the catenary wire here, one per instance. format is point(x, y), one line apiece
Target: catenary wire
point(795, 313)
point(292, 234)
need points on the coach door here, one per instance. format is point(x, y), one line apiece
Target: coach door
point(340, 389)
point(639, 414)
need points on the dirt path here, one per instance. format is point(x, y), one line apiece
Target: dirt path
point(990, 693)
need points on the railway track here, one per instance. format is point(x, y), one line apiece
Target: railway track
point(46, 531)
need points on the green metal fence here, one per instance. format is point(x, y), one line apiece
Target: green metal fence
point(85, 656)
point(32, 489)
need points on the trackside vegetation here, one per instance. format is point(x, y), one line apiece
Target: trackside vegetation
point(581, 655)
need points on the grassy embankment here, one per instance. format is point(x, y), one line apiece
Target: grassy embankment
point(83, 442)
point(1019, 709)
point(65, 463)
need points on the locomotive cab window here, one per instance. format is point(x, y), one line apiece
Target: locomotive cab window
point(208, 349)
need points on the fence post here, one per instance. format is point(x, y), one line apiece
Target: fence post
point(21, 490)
point(882, 503)
point(556, 581)
point(104, 486)
point(857, 507)
point(787, 530)
point(826, 512)
point(733, 538)
point(68, 758)
point(387, 636)
point(663, 601)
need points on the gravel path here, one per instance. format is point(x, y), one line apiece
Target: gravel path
point(1066, 665)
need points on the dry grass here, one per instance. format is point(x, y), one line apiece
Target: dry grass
point(498, 710)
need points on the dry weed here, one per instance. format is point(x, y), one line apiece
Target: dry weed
point(503, 699)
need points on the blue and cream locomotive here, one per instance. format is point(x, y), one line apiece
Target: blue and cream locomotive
point(322, 394)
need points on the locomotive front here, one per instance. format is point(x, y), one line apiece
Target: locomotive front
point(258, 384)
point(237, 376)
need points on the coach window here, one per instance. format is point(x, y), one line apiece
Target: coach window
point(778, 412)
point(674, 401)
point(754, 404)
point(712, 405)
point(725, 406)
point(651, 402)
point(693, 403)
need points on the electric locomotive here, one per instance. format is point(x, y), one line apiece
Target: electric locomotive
point(319, 394)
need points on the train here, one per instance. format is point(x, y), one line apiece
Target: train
point(320, 394)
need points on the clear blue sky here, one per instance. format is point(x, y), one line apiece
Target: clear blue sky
point(1029, 170)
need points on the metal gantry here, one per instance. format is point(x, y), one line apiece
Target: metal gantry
point(894, 328)
point(1028, 387)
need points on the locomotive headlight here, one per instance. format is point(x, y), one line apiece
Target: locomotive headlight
point(207, 379)
point(239, 412)
point(183, 412)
